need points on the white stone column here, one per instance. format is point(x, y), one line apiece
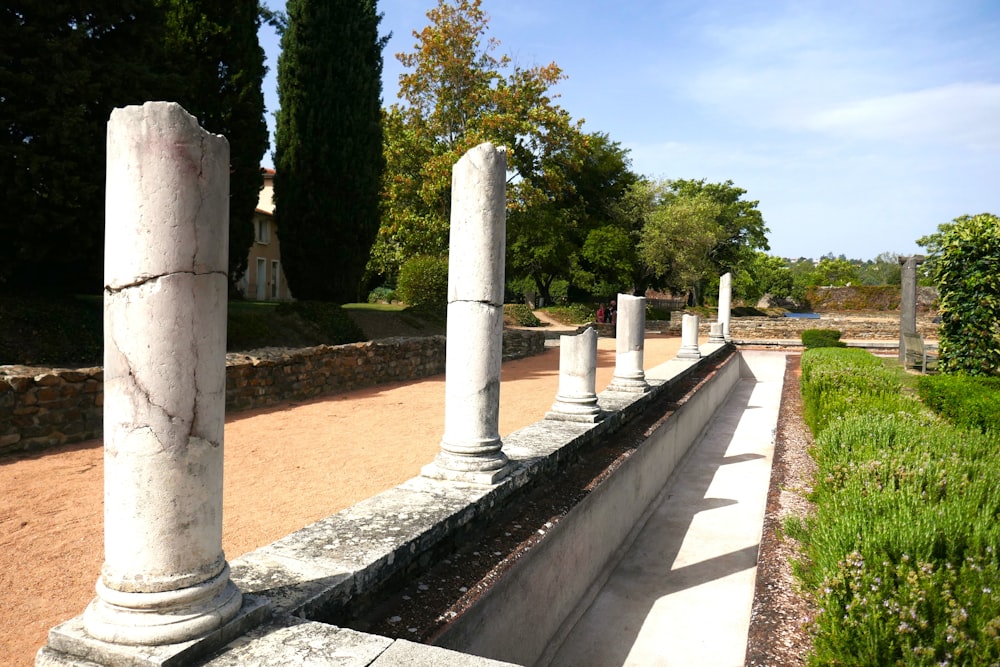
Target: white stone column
point(725, 304)
point(630, 334)
point(576, 399)
point(715, 336)
point(689, 338)
point(165, 579)
point(470, 447)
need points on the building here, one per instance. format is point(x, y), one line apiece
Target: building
point(264, 279)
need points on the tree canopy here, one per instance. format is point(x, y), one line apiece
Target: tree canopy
point(696, 230)
point(63, 68)
point(455, 94)
point(574, 228)
point(328, 159)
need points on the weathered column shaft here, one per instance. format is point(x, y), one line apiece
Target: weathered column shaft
point(576, 399)
point(630, 333)
point(689, 338)
point(908, 300)
point(165, 578)
point(470, 447)
point(715, 333)
point(725, 303)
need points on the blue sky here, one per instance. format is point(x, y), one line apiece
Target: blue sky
point(859, 125)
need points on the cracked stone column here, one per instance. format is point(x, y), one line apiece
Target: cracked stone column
point(470, 447)
point(576, 399)
point(725, 304)
point(689, 338)
point(630, 336)
point(165, 579)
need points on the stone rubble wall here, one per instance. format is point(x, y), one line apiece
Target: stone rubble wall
point(45, 407)
point(851, 327)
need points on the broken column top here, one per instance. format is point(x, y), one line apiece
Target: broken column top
point(186, 238)
point(478, 238)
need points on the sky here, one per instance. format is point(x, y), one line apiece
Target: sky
point(858, 125)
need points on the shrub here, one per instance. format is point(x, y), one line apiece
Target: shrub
point(822, 338)
point(573, 314)
point(382, 294)
point(964, 262)
point(901, 552)
point(968, 401)
point(423, 282)
point(521, 315)
point(656, 314)
point(836, 381)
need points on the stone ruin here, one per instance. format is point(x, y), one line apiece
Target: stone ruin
point(165, 594)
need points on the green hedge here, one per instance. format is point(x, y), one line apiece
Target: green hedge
point(520, 314)
point(968, 401)
point(573, 314)
point(822, 338)
point(901, 552)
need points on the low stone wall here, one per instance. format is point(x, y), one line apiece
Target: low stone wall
point(44, 407)
point(851, 326)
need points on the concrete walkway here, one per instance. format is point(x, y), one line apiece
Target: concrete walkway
point(681, 594)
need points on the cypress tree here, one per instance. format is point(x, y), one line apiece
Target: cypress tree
point(217, 68)
point(328, 154)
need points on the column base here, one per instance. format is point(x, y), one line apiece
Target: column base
point(486, 470)
point(693, 353)
point(555, 415)
point(169, 617)
point(573, 409)
point(628, 385)
point(70, 644)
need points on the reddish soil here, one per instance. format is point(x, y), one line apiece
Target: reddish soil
point(285, 468)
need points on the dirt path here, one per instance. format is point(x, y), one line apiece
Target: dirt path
point(285, 468)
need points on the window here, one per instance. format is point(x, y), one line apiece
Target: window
point(263, 230)
point(274, 279)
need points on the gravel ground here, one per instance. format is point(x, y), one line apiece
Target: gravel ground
point(779, 635)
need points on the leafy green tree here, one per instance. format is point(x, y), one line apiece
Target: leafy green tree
point(328, 159)
point(965, 254)
point(56, 94)
point(576, 231)
point(697, 231)
point(883, 270)
point(763, 274)
point(218, 66)
point(835, 271)
point(678, 239)
point(455, 94)
point(742, 228)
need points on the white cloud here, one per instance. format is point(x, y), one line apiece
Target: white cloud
point(963, 114)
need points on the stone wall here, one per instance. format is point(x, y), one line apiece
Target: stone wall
point(44, 407)
point(851, 326)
